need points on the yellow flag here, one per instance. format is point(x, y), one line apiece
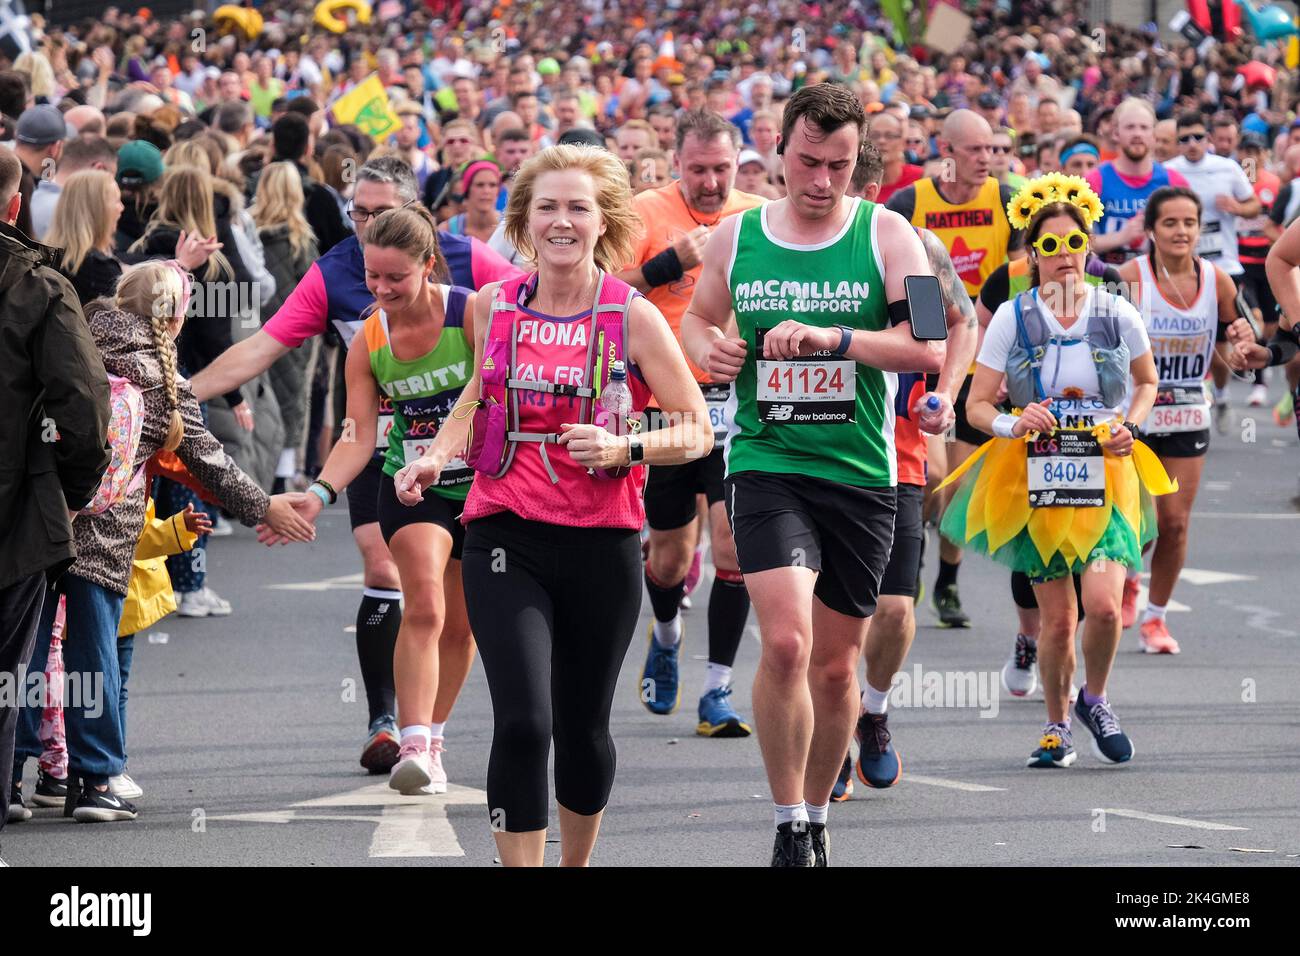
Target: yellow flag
point(366, 106)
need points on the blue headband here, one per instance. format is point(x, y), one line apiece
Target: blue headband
point(1079, 148)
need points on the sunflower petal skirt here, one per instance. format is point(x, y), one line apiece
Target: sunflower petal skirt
point(990, 512)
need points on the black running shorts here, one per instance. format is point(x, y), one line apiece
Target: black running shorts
point(1179, 444)
point(905, 554)
point(841, 531)
point(433, 509)
point(670, 490)
point(363, 494)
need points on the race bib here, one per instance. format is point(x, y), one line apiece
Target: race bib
point(717, 398)
point(1179, 410)
point(1066, 470)
point(816, 389)
point(1211, 242)
point(455, 472)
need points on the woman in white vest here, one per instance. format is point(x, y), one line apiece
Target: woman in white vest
point(1187, 303)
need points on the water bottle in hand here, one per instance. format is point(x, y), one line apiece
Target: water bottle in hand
point(616, 401)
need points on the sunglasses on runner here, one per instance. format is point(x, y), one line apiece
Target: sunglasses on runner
point(1050, 244)
point(1191, 138)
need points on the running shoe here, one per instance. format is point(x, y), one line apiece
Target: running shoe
point(660, 689)
point(412, 772)
point(1108, 741)
point(821, 844)
point(51, 791)
point(948, 604)
point(1284, 409)
point(221, 528)
point(1155, 638)
point(1258, 396)
point(102, 806)
point(18, 811)
point(1222, 416)
point(1128, 609)
point(438, 781)
point(793, 846)
point(879, 764)
point(1055, 748)
point(217, 605)
point(1019, 674)
point(718, 718)
point(843, 788)
point(191, 604)
point(696, 569)
point(380, 752)
point(125, 787)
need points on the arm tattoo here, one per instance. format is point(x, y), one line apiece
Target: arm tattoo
point(950, 284)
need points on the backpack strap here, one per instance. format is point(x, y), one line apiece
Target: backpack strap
point(1033, 346)
point(1103, 324)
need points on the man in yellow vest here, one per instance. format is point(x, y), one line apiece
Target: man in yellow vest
point(966, 207)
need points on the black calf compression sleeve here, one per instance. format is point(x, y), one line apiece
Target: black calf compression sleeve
point(378, 618)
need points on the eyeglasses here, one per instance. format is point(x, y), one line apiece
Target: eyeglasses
point(1001, 150)
point(1050, 244)
point(1191, 138)
point(361, 215)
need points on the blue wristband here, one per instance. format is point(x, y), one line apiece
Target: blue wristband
point(320, 493)
point(846, 339)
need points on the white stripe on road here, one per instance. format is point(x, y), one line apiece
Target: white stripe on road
point(1248, 516)
point(346, 582)
point(952, 784)
point(1172, 821)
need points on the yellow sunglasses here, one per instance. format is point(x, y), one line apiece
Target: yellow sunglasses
point(1050, 244)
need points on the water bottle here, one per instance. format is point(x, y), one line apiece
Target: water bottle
point(616, 401)
point(933, 403)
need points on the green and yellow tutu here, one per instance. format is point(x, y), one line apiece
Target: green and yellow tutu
point(991, 514)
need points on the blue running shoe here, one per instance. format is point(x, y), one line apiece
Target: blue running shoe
point(380, 753)
point(843, 788)
point(718, 718)
point(1055, 748)
point(660, 690)
point(879, 764)
point(1108, 741)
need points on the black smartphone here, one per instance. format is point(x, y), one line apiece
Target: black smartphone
point(925, 307)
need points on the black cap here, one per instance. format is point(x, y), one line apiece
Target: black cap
point(920, 112)
point(988, 101)
point(581, 136)
point(1253, 141)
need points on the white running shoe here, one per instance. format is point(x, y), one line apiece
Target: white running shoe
point(437, 775)
point(221, 528)
point(217, 605)
point(125, 787)
point(1258, 396)
point(192, 604)
point(412, 773)
point(1020, 673)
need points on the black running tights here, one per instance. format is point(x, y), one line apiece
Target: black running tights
point(553, 609)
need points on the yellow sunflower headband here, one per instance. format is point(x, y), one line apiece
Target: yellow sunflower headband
point(1053, 187)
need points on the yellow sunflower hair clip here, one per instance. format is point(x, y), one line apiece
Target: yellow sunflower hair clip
point(1050, 188)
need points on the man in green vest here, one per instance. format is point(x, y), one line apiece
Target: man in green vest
point(815, 282)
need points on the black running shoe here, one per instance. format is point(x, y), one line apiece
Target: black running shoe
point(843, 788)
point(101, 806)
point(793, 845)
point(821, 844)
point(51, 791)
point(73, 793)
point(18, 812)
point(948, 604)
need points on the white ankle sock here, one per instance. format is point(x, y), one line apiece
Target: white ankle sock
point(874, 701)
point(791, 814)
point(1154, 612)
point(715, 676)
point(817, 814)
point(669, 633)
point(415, 730)
point(438, 730)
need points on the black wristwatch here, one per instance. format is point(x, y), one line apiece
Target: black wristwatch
point(1133, 430)
point(846, 338)
point(635, 450)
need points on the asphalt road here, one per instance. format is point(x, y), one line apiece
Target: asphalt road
point(245, 738)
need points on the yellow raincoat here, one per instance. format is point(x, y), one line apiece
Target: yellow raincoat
point(149, 596)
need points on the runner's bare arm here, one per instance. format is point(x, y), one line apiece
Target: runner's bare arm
point(654, 350)
point(1280, 267)
point(894, 349)
point(1145, 381)
point(708, 333)
point(963, 324)
point(355, 448)
point(236, 365)
point(1226, 295)
point(980, 400)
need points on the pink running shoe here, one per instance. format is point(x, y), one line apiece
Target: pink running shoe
point(1129, 606)
point(1156, 639)
point(438, 781)
point(411, 773)
point(693, 575)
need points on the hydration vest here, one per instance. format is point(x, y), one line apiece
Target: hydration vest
point(1110, 353)
point(495, 434)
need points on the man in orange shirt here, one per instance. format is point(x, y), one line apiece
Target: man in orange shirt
point(678, 219)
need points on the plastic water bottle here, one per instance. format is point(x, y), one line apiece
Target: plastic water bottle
point(616, 400)
point(933, 403)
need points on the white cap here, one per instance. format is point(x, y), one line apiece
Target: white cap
point(749, 156)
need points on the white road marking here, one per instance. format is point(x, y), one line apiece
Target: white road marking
point(1197, 576)
point(415, 826)
point(1249, 516)
point(346, 582)
point(952, 784)
point(1172, 821)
